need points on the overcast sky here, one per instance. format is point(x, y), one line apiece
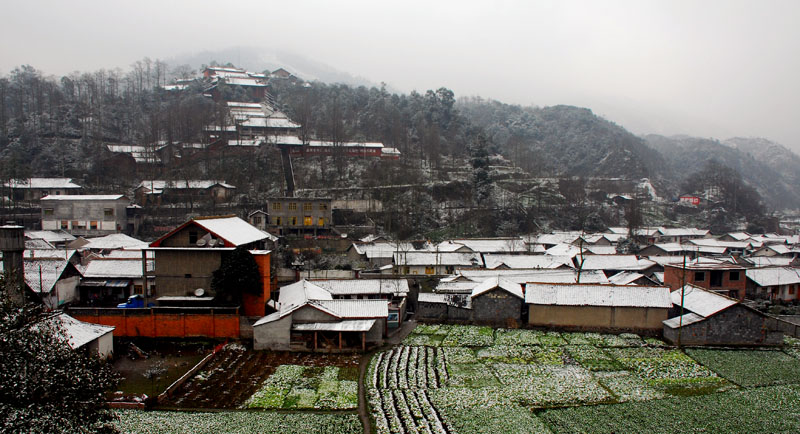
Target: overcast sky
point(705, 68)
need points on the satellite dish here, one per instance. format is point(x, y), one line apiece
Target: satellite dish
point(199, 292)
point(212, 242)
point(201, 242)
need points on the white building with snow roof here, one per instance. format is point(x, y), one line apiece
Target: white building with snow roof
point(308, 318)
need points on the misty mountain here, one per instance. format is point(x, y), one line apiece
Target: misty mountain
point(774, 155)
point(563, 140)
point(260, 59)
point(762, 169)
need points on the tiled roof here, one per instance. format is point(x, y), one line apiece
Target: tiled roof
point(597, 295)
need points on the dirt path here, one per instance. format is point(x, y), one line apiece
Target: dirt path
point(394, 339)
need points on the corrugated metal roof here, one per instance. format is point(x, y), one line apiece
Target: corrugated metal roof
point(543, 276)
point(114, 241)
point(700, 301)
point(485, 245)
point(457, 300)
point(597, 295)
point(355, 308)
point(488, 285)
point(358, 325)
point(769, 261)
point(615, 262)
point(50, 236)
point(75, 197)
point(299, 293)
point(42, 274)
point(624, 278)
point(398, 287)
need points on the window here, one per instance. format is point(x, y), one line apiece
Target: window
point(137, 289)
point(308, 206)
point(716, 278)
point(308, 220)
point(429, 270)
point(276, 206)
point(76, 224)
point(321, 221)
point(192, 237)
point(108, 212)
point(64, 224)
point(277, 221)
point(791, 289)
point(292, 206)
point(293, 221)
point(323, 207)
point(699, 276)
point(257, 220)
point(48, 211)
point(93, 224)
point(188, 275)
point(734, 276)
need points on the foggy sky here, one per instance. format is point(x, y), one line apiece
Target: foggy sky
point(705, 68)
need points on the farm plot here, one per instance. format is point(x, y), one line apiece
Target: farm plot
point(462, 379)
point(750, 367)
point(241, 422)
point(236, 373)
point(766, 409)
point(302, 387)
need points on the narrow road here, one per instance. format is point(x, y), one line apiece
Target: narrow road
point(394, 339)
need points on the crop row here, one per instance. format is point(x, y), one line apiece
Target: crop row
point(406, 367)
point(405, 411)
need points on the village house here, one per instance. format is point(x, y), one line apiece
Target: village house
point(597, 307)
point(186, 257)
point(253, 83)
point(57, 238)
point(51, 277)
point(91, 215)
point(310, 319)
point(444, 307)
point(508, 245)
point(680, 235)
point(380, 253)
point(258, 219)
point(504, 261)
point(394, 291)
point(497, 301)
point(298, 216)
point(613, 264)
point(110, 281)
point(90, 338)
point(774, 283)
point(723, 277)
point(711, 318)
point(160, 191)
point(33, 189)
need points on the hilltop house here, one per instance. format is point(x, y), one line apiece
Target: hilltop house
point(297, 215)
point(33, 189)
point(159, 190)
point(91, 215)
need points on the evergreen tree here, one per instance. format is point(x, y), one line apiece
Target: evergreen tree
point(237, 273)
point(46, 386)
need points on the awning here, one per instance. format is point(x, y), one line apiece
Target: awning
point(357, 325)
point(97, 283)
point(119, 283)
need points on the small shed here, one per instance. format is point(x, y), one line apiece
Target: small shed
point(92, 338)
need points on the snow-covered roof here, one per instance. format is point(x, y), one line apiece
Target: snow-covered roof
point(127, 254)
point(114, 269)
point(65, 254)
point(49, 183)
point(114, 241)
point(711, 242)
point(244, 81)
point(597, 295)
point(689, 318)
point(488, 285)
point(50, 236)
point(390, 151)
point(79, 197)
point(157, 186)
point(773, 276)
point(601, 250)
point(299, 293)
point(385, 249)
point(769, 261)
point(433, 258)
point(38, 244)
point(41, 275)
point(704, 263)
point(327, 144)
point(231, 229)
point(700, 301)
point(683, 232)
point(739, 236)
point(615, 262)
point(618, 230)
point(485, 245)
point(563, 250)
point(545, 276)
point(624, 278)
point(397, 287)
point(79, 333)
point(493, 261)
point(353, 325)
point(558, 238)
